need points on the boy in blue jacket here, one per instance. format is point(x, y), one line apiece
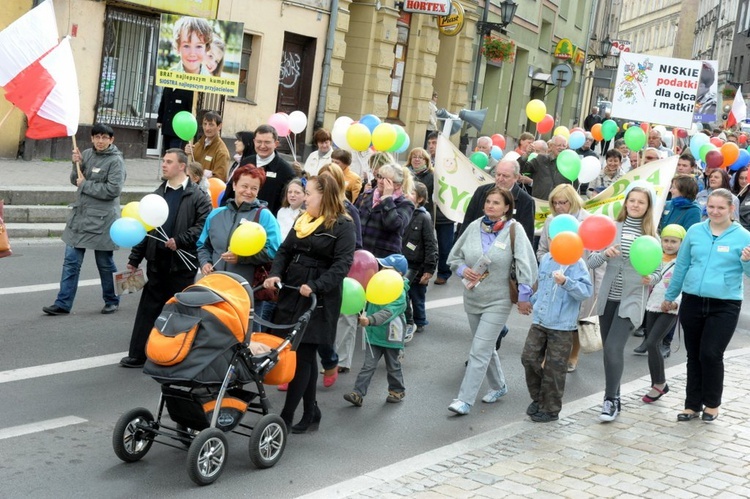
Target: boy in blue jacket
point(385, 327)
point(556, 303)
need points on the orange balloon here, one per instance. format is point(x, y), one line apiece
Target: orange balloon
point(566, 248)
point(215, 188)
point(596, 131)
point(731, 153)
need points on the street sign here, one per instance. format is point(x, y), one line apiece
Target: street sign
point(562, 75)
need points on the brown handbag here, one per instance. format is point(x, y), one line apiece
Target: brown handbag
point(513, 279)
point(4, 241)
point(261, 274)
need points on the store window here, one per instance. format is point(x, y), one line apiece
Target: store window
point(127, 70)
point(399, 65)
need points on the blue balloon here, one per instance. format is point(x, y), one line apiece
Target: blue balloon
point(576, 140)
point(496, 153)
point(696, 142)
point(742, 160)
point(563, 223)
point(221, 196)
point(404, 146)
point(370, 121)
point(127, 232)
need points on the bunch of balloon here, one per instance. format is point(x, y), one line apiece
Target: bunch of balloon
point(293, 123)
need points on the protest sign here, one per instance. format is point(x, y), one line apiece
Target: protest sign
point(656, 89)
point(199, 54)
point(708, 89)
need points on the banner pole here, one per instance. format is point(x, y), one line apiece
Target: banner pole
point(78, 164)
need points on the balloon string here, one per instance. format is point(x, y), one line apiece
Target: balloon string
point(294, 152)
point(187, 263)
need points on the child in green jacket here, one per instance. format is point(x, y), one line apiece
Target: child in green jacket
point(384, 326)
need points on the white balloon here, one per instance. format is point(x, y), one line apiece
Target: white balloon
point(338, 133)
point(513, 155)
point(694, 128)
point(661, 129)
point(297, 121)
point(153, 210)
point(590, 169)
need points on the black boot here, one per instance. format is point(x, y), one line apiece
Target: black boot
point(642, 348)
point(309, 422)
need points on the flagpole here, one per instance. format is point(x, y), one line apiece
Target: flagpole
point(78, 164)
point(12, 107)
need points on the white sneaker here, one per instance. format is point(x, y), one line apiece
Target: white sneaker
point(460, 408)
point(494, 395)
point(409, 333)
point(610, 410)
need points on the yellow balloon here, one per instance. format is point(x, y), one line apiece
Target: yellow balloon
point(247, 239)
point(358, 137)
point(536, 110)
point(562, 130)
point(384, 137)
point(385, 287)
point(130, 210)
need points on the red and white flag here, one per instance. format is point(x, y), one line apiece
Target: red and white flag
point(58, 115)
point(739, 109)
point(22, 44)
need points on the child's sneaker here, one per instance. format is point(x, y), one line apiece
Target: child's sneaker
point(401, 355)
point(283, 387)
point(419, 330)
point(395, 397)
point(409, 333)
point(610, 410)
point(354, 398)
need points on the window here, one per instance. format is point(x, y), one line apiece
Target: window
point(127, 71)
point(398, 71)
point(248, 68)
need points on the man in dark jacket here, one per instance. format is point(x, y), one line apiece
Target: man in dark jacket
point(506, 174)
point(97, 206)
point(542, 170)
point(167, 272)
point(278, 171)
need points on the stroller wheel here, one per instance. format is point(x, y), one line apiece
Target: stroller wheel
point(207, 456)
point(131, 438)
point(267, 441)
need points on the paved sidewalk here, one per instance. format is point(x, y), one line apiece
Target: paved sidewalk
point(644, 453)
point(45, 175)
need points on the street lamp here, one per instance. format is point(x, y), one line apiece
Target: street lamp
point(606, 46)
point(507, 13)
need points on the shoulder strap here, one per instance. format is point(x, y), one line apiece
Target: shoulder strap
point(512, 239)
point(256, 219)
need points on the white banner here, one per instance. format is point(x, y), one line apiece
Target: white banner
point(657, 89)
point(456, 179)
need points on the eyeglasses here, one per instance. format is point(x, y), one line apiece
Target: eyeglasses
point(379, 176)
point(651, 158)
point(560, 203)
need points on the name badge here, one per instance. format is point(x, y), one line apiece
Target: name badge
point(178, 101)
point(500, 244)
point(208, 158)
point(628, 237)
point(411, 246)
point(96, 170)
point(271, 174)
point(723, 249)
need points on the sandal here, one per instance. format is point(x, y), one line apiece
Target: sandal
point(649, 399)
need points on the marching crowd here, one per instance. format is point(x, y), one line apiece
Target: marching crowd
point(317, 215)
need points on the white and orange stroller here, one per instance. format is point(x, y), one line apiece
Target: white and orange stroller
point(203, 355)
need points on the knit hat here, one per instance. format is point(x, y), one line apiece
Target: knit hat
point(674, 230)
point(396, 262)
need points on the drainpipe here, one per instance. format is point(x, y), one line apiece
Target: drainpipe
point(323, 96)
point(594, 7)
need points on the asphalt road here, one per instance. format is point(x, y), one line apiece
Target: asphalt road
point(76, 459)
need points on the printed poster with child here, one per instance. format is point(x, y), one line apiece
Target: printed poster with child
point(199, 54)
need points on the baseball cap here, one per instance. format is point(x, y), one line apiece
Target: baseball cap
point(396, 262)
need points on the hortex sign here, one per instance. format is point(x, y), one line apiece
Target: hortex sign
point(434, 7)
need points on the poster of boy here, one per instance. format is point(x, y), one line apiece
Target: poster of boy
point(199, 54)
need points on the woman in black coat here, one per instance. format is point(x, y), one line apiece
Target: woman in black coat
point(316, 256)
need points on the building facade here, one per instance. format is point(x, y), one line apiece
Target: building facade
point(714, 32)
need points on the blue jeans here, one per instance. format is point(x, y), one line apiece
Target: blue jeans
point(415, 311)
point(444, 233)
point(71, 271)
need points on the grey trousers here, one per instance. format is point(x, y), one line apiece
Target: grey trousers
point(346, 339)
point(483, 358)
point(615, 332)
point(392, 365)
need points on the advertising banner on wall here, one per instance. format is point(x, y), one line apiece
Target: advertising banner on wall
point(657, 89)
point(199, 54)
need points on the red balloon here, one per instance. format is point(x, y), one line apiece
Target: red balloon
point(717, 141)
point(714, 159)
point(645, 127)
point(546, 125)
point(597, 232)
point(364, 266)
point(498, 140)
point(566, 248)
point(743, 139)
point(682, 133)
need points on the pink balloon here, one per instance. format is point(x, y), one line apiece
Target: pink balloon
point(364, 266)
point(280, 121)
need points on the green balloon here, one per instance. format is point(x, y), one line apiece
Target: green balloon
point(184, 125)
point(532, 156)
point(401, 136)
point(609, 129)
point(569, 164)
point(635, 138)
point(353, 298)
point(645, 254)
point(480, 159)
point(705, 148)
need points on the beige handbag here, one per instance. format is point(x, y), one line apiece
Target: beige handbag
point(589, 335)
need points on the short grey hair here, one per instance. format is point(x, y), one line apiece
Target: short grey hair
point(512, 162)
point(393, 169)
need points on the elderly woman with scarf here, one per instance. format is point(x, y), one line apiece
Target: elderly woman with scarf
point(385, 211)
